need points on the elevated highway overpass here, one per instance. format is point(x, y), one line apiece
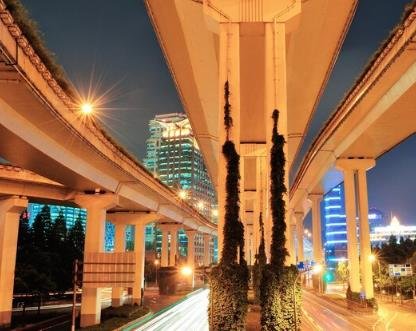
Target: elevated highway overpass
point(72, 160)
point(375, 116)
point(275, 55)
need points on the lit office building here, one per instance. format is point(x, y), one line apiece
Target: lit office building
point(382, 234)
point(335, 232)
point(335, 229)
point(70, 213)
point(173, 155)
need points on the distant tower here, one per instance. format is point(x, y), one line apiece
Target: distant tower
point(173, 156)
point(335, 226)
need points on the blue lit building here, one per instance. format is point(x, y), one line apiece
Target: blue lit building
point(335, 226)
point(335, 229)
point(70, 213)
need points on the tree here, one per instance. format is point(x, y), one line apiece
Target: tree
point(229, 280)
point(342, 272)
point(76, 239)
point(280, 291)
point(260, 262)
point(41, 227)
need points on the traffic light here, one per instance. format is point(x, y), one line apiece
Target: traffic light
point(328, 276)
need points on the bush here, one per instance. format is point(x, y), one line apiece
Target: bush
point(278, 295)
point(228, 297)
point(125, 311)
point(168, 280)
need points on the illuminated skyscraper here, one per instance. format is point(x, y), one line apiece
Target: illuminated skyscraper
point(335, 230)
point(70, 213)
point(173, 155)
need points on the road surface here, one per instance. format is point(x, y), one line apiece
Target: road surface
point(190, 314)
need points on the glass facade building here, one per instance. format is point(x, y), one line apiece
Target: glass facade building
point(173, 156)
point(335, 227)
point(70, 213)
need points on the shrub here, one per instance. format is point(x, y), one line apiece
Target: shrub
point(280, 299)
point(260, 262)
point(228, 297)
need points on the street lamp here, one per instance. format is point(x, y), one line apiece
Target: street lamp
point(156, 262)
point(87, 108)
point(188, 271)
point(200, 205)
point(317, 269)
point(183, 194)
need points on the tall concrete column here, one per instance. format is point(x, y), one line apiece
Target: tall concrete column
point(207, 249)
point(173, 245)
point(365, 245)
point(292, 247)
point(351, 213)
point(139, 252)
point(299, 236)
point(10, 210)
point(119, 247)
point(191, 247)
point(96, 206)
point(316, 227)
point(355, 178)
point(139, 221)
point(229, 70)
point(164, 257)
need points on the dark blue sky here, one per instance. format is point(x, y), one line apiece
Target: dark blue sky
point(113, 43)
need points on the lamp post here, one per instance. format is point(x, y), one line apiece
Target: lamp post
point(156, 265)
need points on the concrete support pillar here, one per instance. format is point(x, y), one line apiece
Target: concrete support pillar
point(164, 257)
point(119, 247)
point(96, 206)
point(316, 228)
point(229, 70)
point(10, 210)
point(351, 214)
point(173, 245)
point(207, 250)
point(139, 252)
point(299, 236)
point(292, 248)
point(365, 245)
point(191, 247)
point(355, 178)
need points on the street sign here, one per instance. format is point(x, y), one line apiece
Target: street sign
point(400, 270)
point(108, 270)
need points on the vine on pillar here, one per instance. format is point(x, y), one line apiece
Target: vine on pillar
point(279, 290)
point(229, 280)
point(260, 262)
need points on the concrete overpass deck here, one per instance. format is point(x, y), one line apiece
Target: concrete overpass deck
point(43, 131)
point(375, 116)
point(191, 45)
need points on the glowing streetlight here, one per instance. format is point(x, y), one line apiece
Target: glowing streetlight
point(317, 268)
point(183, 194)
point(372, 258)
point(186, 271)
point(200, 205)
point(87, 108)
point(305, 231)
point(215, 212)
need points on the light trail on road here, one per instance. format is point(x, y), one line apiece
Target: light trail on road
point(190, 314)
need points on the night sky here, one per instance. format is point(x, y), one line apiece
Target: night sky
point(112, 45)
